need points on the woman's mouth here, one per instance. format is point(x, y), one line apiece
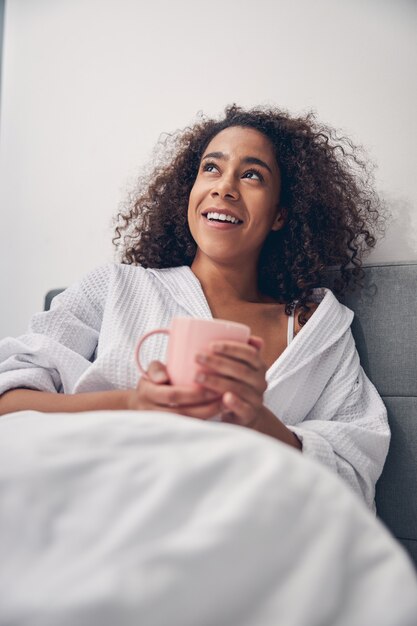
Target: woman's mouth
point(222, 221)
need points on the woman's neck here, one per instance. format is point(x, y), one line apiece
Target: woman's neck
point(227, 284)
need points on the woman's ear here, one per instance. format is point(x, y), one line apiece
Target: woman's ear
point(280, 219)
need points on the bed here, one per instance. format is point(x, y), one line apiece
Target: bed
point(122, 518)
point(153, 518)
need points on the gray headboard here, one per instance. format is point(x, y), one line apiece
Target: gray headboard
point(385, 330)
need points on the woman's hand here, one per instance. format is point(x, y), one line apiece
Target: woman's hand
point(156, 394)
point(237, 373)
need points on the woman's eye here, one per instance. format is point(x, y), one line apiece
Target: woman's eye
point(257, 174)
point(207, 166)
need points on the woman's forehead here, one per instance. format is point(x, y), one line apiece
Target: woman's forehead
point(240, 138)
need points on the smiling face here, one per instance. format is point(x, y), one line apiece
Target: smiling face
point(234, 202)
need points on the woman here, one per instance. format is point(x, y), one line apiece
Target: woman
point(240, 223)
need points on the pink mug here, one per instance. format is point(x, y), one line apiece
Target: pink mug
point(188, 336)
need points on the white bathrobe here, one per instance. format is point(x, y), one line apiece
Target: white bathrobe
point(316, 387)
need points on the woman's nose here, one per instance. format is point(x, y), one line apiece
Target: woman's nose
point(225, 187)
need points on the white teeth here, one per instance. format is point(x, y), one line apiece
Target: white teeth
point(223, 217)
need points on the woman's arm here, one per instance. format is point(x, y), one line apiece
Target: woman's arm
point(152, 393)
point(347, 428)
point(60, 344)
point(28, 399)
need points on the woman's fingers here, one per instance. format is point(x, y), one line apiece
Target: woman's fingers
point(243, 353)
point(176, 396)
point(237, 373)
point(157, 372)
point(257, 342)
point(231, 369)
point(237, 411)
point(221, 385)
point(154, 391)
point(202, 411)
point(158, 391)
point(190, 401)
point(235, 361)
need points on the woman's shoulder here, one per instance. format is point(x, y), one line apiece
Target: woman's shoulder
point(98, 281)
point(113, 269)
point(324, 301)
point(114, 278)
point(100, 277)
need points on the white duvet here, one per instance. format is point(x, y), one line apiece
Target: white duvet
point(153, 519)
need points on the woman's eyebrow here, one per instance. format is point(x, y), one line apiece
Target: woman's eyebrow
point(248, 159)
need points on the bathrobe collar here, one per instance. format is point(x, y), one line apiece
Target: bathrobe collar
point(327, 325)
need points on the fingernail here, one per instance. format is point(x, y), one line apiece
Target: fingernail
point(159, 377)
point(200, 377)
point(201, 358)
point(229, 398)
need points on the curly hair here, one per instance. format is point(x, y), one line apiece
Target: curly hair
point(333, 211)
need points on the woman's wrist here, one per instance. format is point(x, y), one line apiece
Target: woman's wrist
point(269, 424)
point(111, 400)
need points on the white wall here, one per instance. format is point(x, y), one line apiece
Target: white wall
point(89, 85)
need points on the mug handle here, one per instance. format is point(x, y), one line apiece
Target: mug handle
point(165, 331)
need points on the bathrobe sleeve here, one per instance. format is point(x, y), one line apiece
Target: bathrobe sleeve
point(347, 429)
point(60, 344)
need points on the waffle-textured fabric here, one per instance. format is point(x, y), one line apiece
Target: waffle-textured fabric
point(316, 387)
